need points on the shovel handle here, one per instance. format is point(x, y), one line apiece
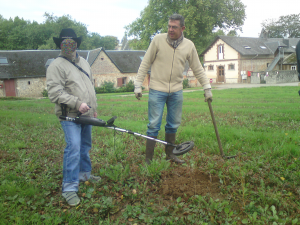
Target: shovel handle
point(215, 126)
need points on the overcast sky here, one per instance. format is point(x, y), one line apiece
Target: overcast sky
point(108, 17)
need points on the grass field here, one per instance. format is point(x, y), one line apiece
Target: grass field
point(260, 186)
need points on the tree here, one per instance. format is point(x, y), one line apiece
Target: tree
point(202, 17)
point(286, 26)
point(125, 43)
point(20, 34)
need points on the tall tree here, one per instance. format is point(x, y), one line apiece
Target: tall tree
point(286, 26)
point(20, 34)
point(202, 17)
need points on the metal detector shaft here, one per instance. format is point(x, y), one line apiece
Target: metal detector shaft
point(215, 126)
point(140, 135)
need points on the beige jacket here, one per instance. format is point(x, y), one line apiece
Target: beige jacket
point(66, 84)
point(167, 65)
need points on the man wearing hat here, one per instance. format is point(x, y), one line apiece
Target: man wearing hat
point(70, 82)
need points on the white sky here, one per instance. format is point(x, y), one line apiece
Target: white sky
point(109, 17)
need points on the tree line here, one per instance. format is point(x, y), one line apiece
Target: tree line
point(205, 20)
point(20, 34)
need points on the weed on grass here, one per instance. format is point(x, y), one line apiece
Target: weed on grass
point(260, 186)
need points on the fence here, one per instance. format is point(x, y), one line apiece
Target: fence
point(274, 77)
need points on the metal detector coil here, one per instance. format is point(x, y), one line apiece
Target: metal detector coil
point(183, 148)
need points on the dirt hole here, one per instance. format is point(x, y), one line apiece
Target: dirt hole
point(185, 183)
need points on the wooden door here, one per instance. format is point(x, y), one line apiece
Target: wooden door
point(221, 74)
point(10, 88)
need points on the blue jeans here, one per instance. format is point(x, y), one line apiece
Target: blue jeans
point(156, 104)
point(77, 164)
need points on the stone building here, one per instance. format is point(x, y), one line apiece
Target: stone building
point(118, 67)
point(23, 73)
point(233, 59)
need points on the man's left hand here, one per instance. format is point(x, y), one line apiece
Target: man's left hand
point(95, 114)
point(208, 94)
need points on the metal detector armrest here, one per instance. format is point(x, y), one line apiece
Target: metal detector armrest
point(84, 120)
point(111, 121)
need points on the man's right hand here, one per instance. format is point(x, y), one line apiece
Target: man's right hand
point(138, 91)
point(84, 108)
point(138, 95)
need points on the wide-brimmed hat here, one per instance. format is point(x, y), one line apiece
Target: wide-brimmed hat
point(67, 33)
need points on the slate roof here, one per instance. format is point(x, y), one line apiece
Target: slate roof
point(290, 59)
point(32, 63)
point(28, 63)
point(126, 61)
point(256, 45)
point(93, 54)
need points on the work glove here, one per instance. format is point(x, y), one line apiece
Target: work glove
point(208, 94)
point(138, 91)
point(138, 96)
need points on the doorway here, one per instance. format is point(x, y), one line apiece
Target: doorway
point(10, 88)
point(221, 74)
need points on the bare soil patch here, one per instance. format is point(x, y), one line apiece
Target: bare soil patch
point(185, 182)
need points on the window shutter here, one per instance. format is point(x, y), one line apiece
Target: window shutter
point(120, 82)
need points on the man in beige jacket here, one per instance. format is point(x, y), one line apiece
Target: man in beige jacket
point(167, 55)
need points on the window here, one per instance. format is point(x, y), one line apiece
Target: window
point(231, 67)
point(121, 81)
point(293, 68)
point(28, 82)
point(247, 47)
point(210, 67)
point(221, 52)
point(263, 47)
point(3, 60)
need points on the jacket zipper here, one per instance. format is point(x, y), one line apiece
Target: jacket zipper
point(171, 72)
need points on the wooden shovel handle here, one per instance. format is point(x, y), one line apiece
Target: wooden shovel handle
point(215, 126)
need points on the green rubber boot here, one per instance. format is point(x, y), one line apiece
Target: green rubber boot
point(150, 144)
point(170, 138)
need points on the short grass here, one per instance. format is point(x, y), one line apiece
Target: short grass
point(260, 186)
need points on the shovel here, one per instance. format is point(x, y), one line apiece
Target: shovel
point(216, 130)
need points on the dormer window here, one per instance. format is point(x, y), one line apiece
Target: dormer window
point(247, 47)
point(3, 60)
point(220, 51)
point(263, 47)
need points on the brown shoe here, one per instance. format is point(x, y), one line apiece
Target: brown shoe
point(170, 138)
point(150, 144)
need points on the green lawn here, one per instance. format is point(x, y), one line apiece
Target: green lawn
point(260, 186)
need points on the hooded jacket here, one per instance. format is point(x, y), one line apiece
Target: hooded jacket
point(167, 65)
point(67, 84)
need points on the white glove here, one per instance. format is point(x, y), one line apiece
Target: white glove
point(138, 90)
point(208, 94)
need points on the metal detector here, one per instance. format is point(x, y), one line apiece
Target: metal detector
point(178, 149)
